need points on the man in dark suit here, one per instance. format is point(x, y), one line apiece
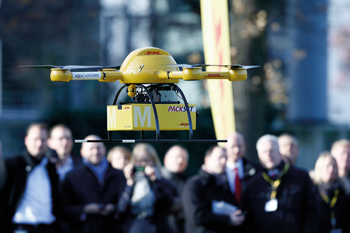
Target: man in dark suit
point(28, 194)
point(91, 191)
point(282, 198)
point(202, 193)
point(61, 141)
point(238, 168)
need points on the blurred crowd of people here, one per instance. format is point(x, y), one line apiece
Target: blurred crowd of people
point(131, 191)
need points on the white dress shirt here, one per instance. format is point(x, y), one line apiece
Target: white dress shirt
point(231, 174)
point(36, 205)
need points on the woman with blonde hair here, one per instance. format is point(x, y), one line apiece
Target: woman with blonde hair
point(333, 202)
point(142, 149)
point(147, 197)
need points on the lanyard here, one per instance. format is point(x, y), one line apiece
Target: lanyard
point(275, 183)
point(330, 202)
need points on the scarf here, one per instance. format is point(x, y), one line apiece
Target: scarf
point(98, 169)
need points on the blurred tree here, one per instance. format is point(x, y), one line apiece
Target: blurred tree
point(247, 26)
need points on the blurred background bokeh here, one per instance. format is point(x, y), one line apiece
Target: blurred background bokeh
point(302, 87)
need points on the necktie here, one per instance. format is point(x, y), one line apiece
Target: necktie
point(238, 185)
point(273, 174)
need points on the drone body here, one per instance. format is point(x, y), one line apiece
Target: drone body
point(146, 65)
point(147, 111)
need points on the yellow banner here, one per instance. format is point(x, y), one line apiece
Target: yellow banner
point(216, 40)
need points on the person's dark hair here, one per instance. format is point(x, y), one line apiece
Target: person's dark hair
point(183, 149)
point(210, 150)
point(42, 126)
point(63, 126)
point(295, 140)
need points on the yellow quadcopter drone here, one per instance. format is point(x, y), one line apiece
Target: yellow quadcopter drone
point(146, 72)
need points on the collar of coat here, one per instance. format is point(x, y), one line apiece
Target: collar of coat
point(30, 160)
point(249, 169)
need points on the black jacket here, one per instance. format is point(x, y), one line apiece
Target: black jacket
point(81, 187)
point(176, 219)
point(341, 210)
point(13, 177)
point(198, 195)
point(297, 204)
point(250, 170)
point(164, 199)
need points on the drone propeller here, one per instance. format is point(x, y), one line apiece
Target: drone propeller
point(72, 67)
point(234, 66)
point(40, 66)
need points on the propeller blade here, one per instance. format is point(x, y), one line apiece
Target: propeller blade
point(41, 66)
point(71, 67)
point(189, 65)
point(183, 65)
point(234, 66)
point(75, 67)
point(251, 67)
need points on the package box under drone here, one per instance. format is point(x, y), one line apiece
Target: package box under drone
point(141, 117)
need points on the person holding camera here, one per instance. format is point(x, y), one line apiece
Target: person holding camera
point(91, 191)
point(147, 197)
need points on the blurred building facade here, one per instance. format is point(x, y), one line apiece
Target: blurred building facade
point(301, 71)
point(39, 32)
point(84, 32)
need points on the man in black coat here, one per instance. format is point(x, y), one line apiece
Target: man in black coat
point(202, 191)
point(28, 190)
point(238, 168)
point(282, 198)
point(90, 192)
point(175, 163)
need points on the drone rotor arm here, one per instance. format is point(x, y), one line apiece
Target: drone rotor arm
point(111, 75)
point(187, 74)
point(231, 75)
point(170, 75)
point(196, 73)
point(104, 75)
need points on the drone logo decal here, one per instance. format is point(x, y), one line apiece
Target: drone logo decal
point(154, 53)
point(214, 75)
